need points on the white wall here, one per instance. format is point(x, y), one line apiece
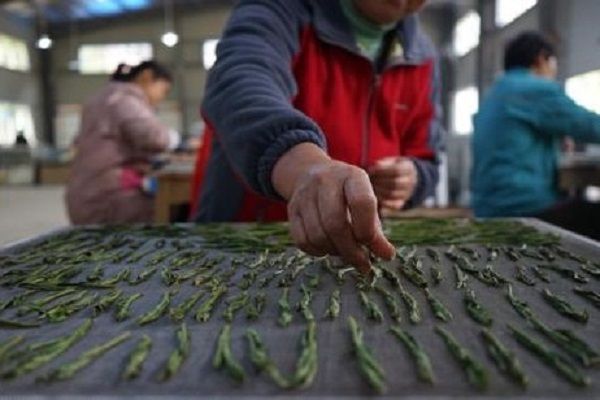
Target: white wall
point(581, 37)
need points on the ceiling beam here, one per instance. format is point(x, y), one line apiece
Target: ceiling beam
point(90, 24)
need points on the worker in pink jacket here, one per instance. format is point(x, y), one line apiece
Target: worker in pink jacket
point(119, 134)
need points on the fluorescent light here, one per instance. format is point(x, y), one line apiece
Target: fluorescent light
point(44, 42)
point(170, 39)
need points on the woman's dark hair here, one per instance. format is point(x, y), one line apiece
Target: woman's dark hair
point(128, 73)
point(523, 50)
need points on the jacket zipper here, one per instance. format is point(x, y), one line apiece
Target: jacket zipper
point(366, 131)
point(375, 82)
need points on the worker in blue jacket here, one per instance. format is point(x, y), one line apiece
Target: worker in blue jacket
point(518, 133)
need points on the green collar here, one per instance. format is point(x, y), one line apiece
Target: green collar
point(369, 36)
point(362, 25)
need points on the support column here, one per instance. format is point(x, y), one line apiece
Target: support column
point(47, 95)
point(179, 63)
point(489, 48)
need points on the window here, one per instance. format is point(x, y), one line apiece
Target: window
point(509, 10)
point(467, 33)
point(14, 54)
point(105, 58)
point(67, 123)
point(169, 113)
point(584, 90)
point(209, 53)
point(465, 106)
point(15, 118)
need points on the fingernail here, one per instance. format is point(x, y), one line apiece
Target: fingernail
point(392, 250)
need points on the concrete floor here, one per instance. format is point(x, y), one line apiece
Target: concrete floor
point(27, 211)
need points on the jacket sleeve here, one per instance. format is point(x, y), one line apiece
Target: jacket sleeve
point(250, 89)
point(141, 128)
point(424, 141)
point(554, 113)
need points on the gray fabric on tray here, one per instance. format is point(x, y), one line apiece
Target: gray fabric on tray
point(338, 374)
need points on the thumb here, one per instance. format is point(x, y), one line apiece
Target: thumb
point(387, 161)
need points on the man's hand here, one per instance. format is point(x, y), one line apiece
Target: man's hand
point(331, 207)
point(394, 181)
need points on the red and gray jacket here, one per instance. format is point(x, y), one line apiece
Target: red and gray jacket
point(288, 72)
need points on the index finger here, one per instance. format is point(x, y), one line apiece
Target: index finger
point(365, 223)
point(401, 167)
point(383, 170)
point(333, 212)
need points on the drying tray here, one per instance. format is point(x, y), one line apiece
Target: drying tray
point(338, 375)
